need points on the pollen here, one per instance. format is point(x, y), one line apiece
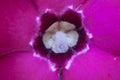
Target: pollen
point(60, 36)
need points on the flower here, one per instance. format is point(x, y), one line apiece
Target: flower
point(18, 25)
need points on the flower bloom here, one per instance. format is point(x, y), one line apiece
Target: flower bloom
point(19, 24)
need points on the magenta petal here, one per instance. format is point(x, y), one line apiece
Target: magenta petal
point(17, 24)
point(24, 66)
point(102, 19)
point(94, 65)
point(58, 5)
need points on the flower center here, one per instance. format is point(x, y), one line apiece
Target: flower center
point(60, 36)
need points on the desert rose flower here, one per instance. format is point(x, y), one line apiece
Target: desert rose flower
point(59, 40)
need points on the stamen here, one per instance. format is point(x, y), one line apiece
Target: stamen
point(61, 44)
point(60, 36)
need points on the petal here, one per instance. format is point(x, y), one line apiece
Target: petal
point(72, 17)
point(102, 19)
point(94, 65)
point(47, 19)
point(24, 66)
point(17, 24)
point(58, 5)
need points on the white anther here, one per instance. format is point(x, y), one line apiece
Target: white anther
point(60, 36)
point(48, 41)
point(60, 42)
point(72, 38)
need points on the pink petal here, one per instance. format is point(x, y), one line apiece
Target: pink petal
point(58, 5)
point(94, 65)
point(17, 24)
point(102, 19)
point(24, 66)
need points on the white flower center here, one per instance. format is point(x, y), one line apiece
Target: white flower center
point(60, 36)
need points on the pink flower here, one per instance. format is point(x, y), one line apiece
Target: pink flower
point(19, 25)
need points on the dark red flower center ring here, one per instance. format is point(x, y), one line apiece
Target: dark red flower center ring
point(60, 36)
